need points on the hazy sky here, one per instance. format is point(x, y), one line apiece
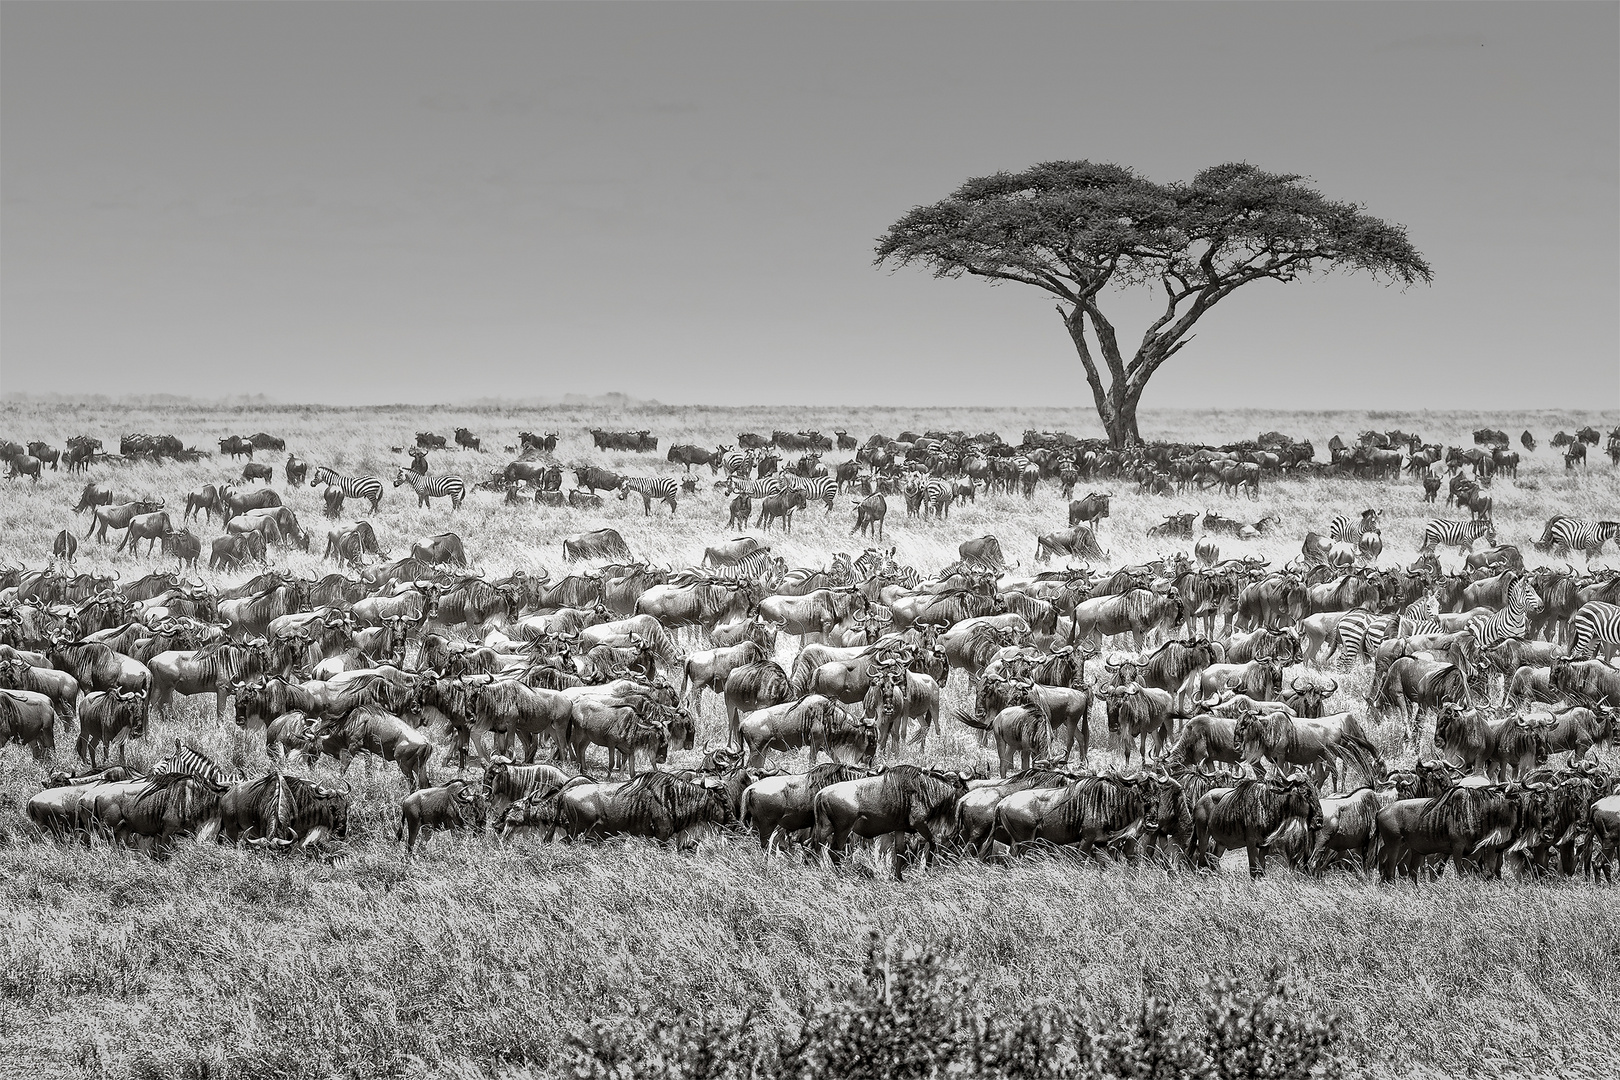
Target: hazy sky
point(435, 202)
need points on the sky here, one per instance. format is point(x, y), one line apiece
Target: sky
point(433, 202)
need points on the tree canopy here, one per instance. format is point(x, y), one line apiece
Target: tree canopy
point(1075, 228)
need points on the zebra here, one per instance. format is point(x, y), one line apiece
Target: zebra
point(1459, 534)
point(881, 564)
point(937, 496)
point(1596, 623)
point(1566, 534)
point(756, 489)
point(1512, 621)
point(736, 462)
point(186, 761)
point(820, 489)
point(369, 488)
point(1348, 529)
point(1361, 632)
point(651, 489)
point(449, 487)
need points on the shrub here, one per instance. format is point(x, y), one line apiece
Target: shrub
point(912, 1017)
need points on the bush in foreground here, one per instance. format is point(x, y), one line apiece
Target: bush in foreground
point(911, 1017)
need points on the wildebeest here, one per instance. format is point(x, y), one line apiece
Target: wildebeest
point(467, 440)
point(1247, 815)
point(236, 446)
point(118, 517)
point(149, 527)
point(902, 799)
point(785, 804)
point(283, 810)
point(28, 718)
point(599, 544)
point(811, 722)
point(205, 500)
point(442, 548)
point(94, 495)
point(234, 552)
point(106, 718)
point(457, 805)
point(1469, 824)
point(254, 470)
point(1322, 745)
point(373, 728)
point(869, 515)
point(1079, 542)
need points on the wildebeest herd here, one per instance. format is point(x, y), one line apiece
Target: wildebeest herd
point(1175, 709)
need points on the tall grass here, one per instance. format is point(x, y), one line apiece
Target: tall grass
point(484, 960)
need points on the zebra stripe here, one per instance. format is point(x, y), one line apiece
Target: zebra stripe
point(756, 489)
point(188, 762)
point(651, 489)
point(1360, 634)
point(820, 489)
point(1342, 528)
point(449, 487)
point(1571, 534)
point(369, 488)
point(1512, 621)
point(1596, 623)
point(1460, 534)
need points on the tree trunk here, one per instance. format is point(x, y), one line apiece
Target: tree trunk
point(1122, 430)
point(1116, 403)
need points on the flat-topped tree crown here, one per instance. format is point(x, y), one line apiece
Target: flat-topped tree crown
point(1074, 228)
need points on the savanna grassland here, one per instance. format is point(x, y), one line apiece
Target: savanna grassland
point(478, 959)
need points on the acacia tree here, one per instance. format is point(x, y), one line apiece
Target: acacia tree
point(1075, 228)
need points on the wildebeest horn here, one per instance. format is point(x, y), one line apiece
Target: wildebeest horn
point(1296, 684)
point(1332, 687)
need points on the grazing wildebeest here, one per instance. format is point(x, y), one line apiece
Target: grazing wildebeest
point(600, 544)
point(94, 495)
point(257, 471)
point(234, 552)
point(118, 517)
point(65, 546)
point(442, 548)
point(236, 446)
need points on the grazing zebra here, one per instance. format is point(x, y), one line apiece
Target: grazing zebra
point(1512, 621)
point(449, 487)
point(351, 487)
point(820, 489)
point(1596, 623)
point(751, 567)
point(1566, 534)
point(651, 489)
point(1458, 534)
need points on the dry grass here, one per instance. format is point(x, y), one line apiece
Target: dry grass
point(483, 960)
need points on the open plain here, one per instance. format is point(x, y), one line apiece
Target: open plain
point(482, 958)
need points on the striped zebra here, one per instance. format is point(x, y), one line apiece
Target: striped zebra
point(1596, 623)
point(1361, 632)
point(1513, 621)
point(756, 489)
point(820, 489)
point(1458, 534)
point(937, 496)
point(737, 462)
point(1350, 530)
point(449, 487)
point(1566, 534)
point(651, 489)
point(881, 564)
point(186, 761)
point(369, 488)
